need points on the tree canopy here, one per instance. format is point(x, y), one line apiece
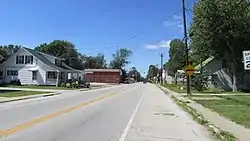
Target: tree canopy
point(222, 29)
point(120, 58)
point(177, 58)
point(152, 72)
point(8, 50)
point(94, 62)
point(133, 73)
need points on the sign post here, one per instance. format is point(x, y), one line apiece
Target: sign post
point(246, 59)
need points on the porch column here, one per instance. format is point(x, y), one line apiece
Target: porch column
point(65, 76)
point(57, 78)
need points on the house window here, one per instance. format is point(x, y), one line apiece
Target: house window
point(51, 75)
point(12, 72)
point(28, 59)
point(20, 59)
point(1, 75)
point(34, 75)
point(58, 62)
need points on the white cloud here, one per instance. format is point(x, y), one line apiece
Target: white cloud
point(176, 17)
point(174, 21)
point(161, 44)
point(170, 23)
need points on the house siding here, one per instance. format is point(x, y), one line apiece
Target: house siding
point(24, 70)
point(220, 75)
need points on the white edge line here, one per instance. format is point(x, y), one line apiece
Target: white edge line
point(125, 132)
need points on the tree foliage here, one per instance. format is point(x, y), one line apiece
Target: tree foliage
point(63, 49)
point(120, 58)
point(94, 62)
point(133, 73)
point(8, 50)
point(152, 72)
point(177, 55)
point(222, 29)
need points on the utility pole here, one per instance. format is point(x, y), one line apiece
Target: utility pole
point(161, 68)
point(186, 45)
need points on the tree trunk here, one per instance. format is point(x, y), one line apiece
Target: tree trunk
point(234, 80)
point(233, 64)
point(175, 78)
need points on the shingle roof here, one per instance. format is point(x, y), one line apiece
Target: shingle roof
point(42, 58)
point(204, 63)
point(102, 70)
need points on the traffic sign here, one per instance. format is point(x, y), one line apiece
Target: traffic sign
point(189, 70)
point(246, 58)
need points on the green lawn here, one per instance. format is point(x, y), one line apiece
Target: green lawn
point(16, 93)
point(235, 108)
point(40, 87)
point(176, 88)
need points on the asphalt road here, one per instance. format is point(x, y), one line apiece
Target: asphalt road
point(97, 115)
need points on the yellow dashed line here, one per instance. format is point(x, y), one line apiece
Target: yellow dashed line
point(50, 116)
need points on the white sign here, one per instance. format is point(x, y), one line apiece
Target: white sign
point(246, 57)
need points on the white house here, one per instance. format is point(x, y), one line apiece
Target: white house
point(33, 67)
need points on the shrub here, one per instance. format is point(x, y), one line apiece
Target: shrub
point(68, 85)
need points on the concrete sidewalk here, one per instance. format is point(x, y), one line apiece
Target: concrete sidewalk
point(33, 89)
point(240, 132)
point(160, 119)
point(4, 100)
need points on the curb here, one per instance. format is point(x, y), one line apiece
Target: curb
point(30, 97)
point(198, 116)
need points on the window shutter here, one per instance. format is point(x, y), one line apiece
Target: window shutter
point(31, 59)
point(26, 59)
point(16, 59)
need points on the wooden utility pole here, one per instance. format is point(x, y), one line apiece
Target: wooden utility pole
point(161, 68)
point(186, 45)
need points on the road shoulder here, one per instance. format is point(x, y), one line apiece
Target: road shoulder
point(159, 118)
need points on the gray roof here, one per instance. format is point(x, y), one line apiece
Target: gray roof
point(102, 70)
point(42, 58)
point(204, 63)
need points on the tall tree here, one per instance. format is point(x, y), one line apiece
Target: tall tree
point(133, 73)
point(8, 50)
point(222, 27)
point(177, 58)
point(120, 58)
point(152, 72)
point(94, 62)
point(63, 49)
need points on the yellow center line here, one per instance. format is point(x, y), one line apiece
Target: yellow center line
point(51, 116)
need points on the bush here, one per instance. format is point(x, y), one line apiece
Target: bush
point(15, 82)
point(197, 84)
point(68, 85)
point(62, 85)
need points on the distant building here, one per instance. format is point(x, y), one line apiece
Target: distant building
point(103, 75)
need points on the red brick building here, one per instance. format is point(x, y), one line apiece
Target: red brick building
point(103, 75)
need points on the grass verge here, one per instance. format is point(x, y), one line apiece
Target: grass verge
point(40, 87)
point(236, 108)
point(8, 93)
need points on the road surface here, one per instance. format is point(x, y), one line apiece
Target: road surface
point(99, 115)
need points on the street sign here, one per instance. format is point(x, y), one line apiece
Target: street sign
point(189, 70)
point(246, 58)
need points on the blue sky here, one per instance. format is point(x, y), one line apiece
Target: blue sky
point(96, 26)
